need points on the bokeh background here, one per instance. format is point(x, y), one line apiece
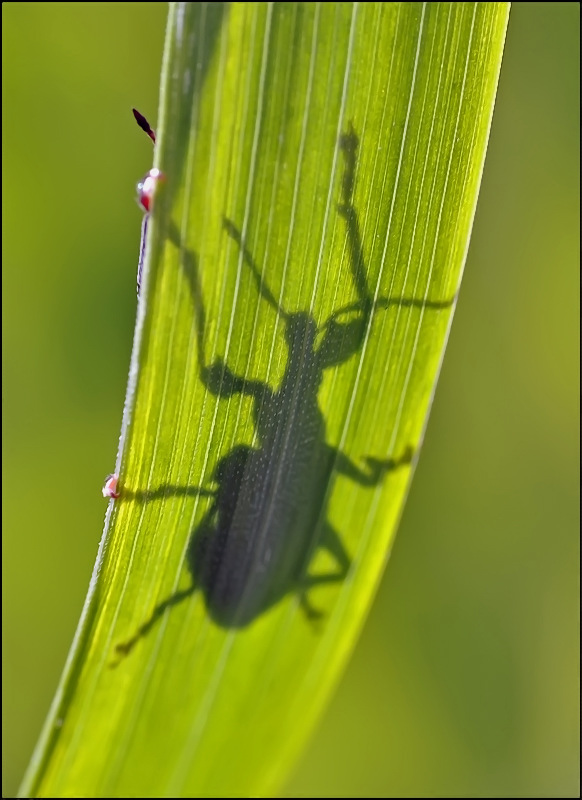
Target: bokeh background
point(466, 678)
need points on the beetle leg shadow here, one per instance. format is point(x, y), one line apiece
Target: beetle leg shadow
point(341, 340)
point(314, 615)
point(330, 541)
point(123, 649)
point(353, 331)
point(196, 547)
point(383, 465)
point(348, 144)
point(377, 467)
point(217, 377)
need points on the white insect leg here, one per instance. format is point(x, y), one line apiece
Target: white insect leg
point(142, 244)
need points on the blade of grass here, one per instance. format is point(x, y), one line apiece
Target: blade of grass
point(321, 166)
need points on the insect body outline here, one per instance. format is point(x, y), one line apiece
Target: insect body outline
point(265, 521)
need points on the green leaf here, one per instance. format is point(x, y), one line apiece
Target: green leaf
point(321, 165)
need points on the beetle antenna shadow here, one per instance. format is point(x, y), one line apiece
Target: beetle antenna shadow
point(264, 290)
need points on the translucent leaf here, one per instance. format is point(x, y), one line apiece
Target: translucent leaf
point(321, 166)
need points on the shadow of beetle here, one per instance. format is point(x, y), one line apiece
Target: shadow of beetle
point(265, 521)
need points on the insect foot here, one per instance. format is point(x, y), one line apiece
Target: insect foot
point(220, 379)
point(378, 466)
point(110, 486)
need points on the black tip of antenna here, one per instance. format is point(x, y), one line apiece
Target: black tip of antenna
point(144, 124)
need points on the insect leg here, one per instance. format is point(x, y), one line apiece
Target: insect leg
point(332, 542)
point(377, 467)
point(124, 648)
point(264, 290)
point(142, 246)
point(312, 613)
point(349, 145)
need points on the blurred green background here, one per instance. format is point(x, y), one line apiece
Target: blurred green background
point(466, 678)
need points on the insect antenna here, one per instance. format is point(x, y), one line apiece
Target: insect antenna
point(144, 124)
point(264, 290)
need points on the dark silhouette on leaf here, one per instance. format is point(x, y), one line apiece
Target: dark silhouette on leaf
point(266, 519)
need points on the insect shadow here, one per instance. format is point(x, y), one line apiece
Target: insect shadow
point(265, 520)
